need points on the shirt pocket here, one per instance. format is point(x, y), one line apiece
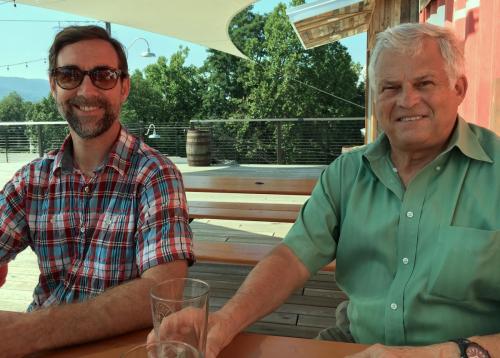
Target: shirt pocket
point(466, 264)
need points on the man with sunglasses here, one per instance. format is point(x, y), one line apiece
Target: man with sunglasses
point(105, 214)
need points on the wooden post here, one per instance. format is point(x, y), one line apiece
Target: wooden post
point(386, 13)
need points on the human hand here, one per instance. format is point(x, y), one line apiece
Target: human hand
point(219, 334)
point(186, 325)
point(433, 351)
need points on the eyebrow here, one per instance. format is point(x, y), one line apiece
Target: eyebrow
point(424, 77)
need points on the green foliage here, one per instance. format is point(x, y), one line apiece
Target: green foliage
point(281, 80)
point(51, 136)
point(12, 109)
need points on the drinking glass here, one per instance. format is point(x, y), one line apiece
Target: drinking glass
point(180, 311)
point(165, 349)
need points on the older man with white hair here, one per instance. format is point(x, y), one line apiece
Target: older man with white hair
point(412, 219)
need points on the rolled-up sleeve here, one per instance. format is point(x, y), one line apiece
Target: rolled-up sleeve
point(163, 232)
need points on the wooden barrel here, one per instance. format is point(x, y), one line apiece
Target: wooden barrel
point(198, 147)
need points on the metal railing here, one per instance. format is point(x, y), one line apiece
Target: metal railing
point(256, 141)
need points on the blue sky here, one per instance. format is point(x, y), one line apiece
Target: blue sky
point(23, 41)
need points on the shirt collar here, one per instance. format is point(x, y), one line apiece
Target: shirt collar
point(462, 137)
point(119, 157)
point(467, 142)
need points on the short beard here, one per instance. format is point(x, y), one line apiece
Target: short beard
point(78, 125)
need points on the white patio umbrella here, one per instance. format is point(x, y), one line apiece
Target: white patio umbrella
point(203, 22)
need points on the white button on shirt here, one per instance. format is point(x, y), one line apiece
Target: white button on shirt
point(405, 260)
point(438, 168)
point(409, 214)
point(394, 306)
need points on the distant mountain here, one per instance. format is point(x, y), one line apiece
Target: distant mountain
point(29, 89)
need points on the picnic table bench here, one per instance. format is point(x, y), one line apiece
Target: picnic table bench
point(243, 253)
point(272, 212)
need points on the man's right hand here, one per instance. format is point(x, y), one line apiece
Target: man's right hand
point(219, 333)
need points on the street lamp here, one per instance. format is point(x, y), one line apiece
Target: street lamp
point(147, 53)
point(153, 135)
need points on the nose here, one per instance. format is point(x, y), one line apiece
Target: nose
point(408, 96)
point(87, 86)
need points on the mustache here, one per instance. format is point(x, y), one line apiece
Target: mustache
point(88, 101)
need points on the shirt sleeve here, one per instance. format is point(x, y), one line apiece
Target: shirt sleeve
point(13, 225)
point(314, 235)
point(163, 231)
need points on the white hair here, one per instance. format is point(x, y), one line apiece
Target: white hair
point(408, 39)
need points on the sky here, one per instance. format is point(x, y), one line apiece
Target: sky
point(23, 41)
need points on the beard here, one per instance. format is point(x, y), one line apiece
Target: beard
point(87, 128)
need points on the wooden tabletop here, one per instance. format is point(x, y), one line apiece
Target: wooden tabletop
point(248, 185)
point(245, 345)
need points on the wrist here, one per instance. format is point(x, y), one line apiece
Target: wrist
point(470, 348)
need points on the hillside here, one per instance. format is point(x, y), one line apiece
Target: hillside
point(29, 89)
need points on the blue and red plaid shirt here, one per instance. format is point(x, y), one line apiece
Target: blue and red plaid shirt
point(91, 234)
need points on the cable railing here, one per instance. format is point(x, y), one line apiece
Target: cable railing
point(256, 141)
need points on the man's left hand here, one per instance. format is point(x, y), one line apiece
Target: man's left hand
point(448, 350)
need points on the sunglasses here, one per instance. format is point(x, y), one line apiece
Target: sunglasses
point(70, 77)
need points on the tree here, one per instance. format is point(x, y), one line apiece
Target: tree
point(282, 80)
point(12, 109)
point(179, 85)
point(225, 74)
point(145, 102)
point(51, 135)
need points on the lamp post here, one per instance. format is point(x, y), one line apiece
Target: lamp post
point(146, 53)
point(153, 135)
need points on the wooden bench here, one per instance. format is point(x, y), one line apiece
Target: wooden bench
point(242, 253)
point(248, 185)
point(286, 213)
point(236, 253)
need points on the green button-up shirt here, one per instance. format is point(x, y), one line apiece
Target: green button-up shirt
point(420, 265)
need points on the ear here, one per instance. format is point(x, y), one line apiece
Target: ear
point(460, 87)
point(125, 89)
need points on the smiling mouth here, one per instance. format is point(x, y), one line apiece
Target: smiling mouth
point(87, 108)
point(410, 118)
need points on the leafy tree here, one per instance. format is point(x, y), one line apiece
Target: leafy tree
point(282, 80)
point(179, 85)
point(51, 136)
point(12, 109)
point(225, 87)
point(145, 102)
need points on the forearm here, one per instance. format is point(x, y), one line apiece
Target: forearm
point(266, 288)
point(121, 309)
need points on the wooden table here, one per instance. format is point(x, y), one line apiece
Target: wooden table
point(245, 345)
point(248, 185)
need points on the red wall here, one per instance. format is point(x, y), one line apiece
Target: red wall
point(477, 22)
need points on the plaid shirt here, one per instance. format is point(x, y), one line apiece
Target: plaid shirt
point(93, 234)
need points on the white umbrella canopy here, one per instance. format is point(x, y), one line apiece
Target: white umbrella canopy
point(203, 22)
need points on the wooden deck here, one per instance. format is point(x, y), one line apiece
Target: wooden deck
point(305, 312)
